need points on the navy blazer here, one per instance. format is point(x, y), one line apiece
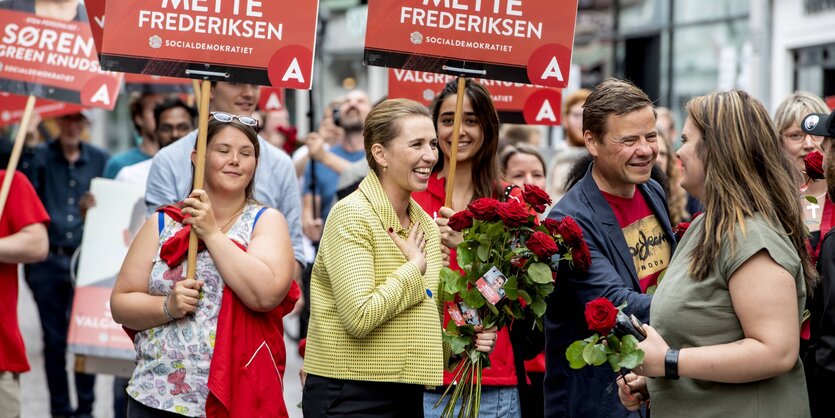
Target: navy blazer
point(591, 392)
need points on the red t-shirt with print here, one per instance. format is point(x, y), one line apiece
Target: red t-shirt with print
point(648, 245)
point(23, 208)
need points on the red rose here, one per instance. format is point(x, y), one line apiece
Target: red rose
point(581, 257)
point(552, 226)
point(484, 209)
point(536, 197)
point(461, 220)
point(601, 315)
point(513, 213)
point(542, 245)
point(681, 228)
point(814, 165)
point(571, 233)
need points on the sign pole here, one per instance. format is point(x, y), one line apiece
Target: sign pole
point(195, 85)
point(456, 128)
point(199, 168)
point(16, 151)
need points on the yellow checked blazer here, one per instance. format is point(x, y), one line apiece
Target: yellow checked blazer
point(373, 317)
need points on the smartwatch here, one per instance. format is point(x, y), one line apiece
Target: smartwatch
point(671, 364)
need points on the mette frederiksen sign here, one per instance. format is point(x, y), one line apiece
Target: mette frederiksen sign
point(266, 42)
point(524, 41)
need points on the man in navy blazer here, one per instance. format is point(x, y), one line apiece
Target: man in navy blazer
point(626, 225)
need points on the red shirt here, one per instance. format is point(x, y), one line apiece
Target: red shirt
point(648, 244)
point(23, 208)
point(502, 371)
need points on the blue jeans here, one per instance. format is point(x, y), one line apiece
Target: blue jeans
point(496, 402)
point(53, 291)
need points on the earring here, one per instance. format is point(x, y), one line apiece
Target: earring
point(385, 167)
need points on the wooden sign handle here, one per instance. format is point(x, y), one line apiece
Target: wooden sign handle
point(17, 149)
point(199, 168)
point(456, 128)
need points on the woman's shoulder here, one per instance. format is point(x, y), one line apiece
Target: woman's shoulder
point(755, 235)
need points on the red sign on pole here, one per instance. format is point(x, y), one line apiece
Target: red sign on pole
point(271, 99)
point(251, 41)
point(525, 41)
point(515, 102)
point(11, 108)
point(53, 59)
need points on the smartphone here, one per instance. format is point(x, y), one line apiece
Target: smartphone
point(629, 325)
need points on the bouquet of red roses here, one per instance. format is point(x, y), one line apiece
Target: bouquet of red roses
point(509, 261)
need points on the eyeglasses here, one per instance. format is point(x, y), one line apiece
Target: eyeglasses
point(800, 136)
point(228, 117)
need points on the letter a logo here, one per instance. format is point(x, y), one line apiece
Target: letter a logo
point(546, 112)
point(552, 70)
point(294, 72)
point(273, 103)
point(101, 96)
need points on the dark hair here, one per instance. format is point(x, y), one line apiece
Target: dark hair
point(581, 165)
point(612, 97)
point(137, 105)
point(383, 124)
point(485, 170)
point(215, 127)
point(171, 103)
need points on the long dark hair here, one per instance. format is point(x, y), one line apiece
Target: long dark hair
point(485, 170)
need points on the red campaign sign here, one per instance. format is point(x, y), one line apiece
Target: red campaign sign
point(95, 11)
point(515, 102)
point(271, 99)
point(11, 108)
point(525, 41)
point(54, 60)
point(261, 42)
point(92, 329)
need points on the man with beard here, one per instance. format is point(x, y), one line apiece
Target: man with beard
point(572, 123)
point(329, 164)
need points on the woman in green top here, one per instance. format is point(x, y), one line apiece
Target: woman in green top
point(726, 317)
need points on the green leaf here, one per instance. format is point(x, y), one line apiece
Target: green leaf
point(451, 328)
point(545, 289)
point(614, 361)
point(473, 298)
point(574, 354)
point(538, 307)
point(812, 199)
point(632, 360)
point(483, 252)
point(492, 308)
point(525, 296)
point(464, 256)
point(510, 288)
point(539, 273)
point(495, 229)
point(451, 281)
point(456, 344)
point(483, 239)
point(613, 342)
point(628, 344)
point(593, 354)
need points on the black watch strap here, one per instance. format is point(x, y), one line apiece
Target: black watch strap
point(671, 364)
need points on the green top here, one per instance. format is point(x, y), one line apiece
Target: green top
point(690, 313)
point(373, 316)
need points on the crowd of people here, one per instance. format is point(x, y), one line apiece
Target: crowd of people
point(348, 225)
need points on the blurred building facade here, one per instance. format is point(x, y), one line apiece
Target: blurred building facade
point(673, 49)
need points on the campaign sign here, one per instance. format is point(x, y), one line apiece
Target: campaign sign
point(515, 102)
point(11, 108)
point(53, 59)
point(271, 99)
point(110, 227)
point(261, 42)
point(525, 41)
point(95, 11)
